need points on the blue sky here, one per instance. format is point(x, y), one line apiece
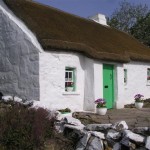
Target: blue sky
point(86, 8)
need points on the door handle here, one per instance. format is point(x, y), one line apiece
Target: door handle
point(106, 86)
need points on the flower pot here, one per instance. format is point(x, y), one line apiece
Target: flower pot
point(69, 89)
point(101, 111)
point(138, 105)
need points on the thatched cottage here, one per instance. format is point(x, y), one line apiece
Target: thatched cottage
point(63, 60)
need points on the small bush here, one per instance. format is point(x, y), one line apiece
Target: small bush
point(64, 110)
point(23, 128)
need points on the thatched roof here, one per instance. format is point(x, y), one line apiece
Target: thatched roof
point(58, 30)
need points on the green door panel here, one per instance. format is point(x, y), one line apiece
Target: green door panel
point(108, 84)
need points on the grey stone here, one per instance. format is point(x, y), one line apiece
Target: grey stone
point(141, 148)
point(73, 121)
point(132, 145)
point(97, 134)
point(113, 134)
point(95, 144)
point(17, 99)
point(125, 141)
point(134, 137)
point(98, 127)
point(127, 144)
point(77, 129)
point(59, 126)
point(147, 142)
point(83, 142)
point(141, 130)
point(121, 125)
point(7, 98)
point(117, 146)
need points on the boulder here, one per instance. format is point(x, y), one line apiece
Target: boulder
point(7, 98)
point(125, 141)
point(147, 142)
point(59, 126)
point(72, 121)
point(61, 116)
point(117, 146)
point(113, 134)
point(77, 129)
point(98, 127)
point(134, 137)
point(83, 142)
point(97, 134)
point(142, 130)
point(119, 126)
point(95, 144)
point(17, 99)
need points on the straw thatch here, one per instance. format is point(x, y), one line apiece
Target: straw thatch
point(62, 31)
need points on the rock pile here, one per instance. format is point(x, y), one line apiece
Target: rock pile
point(105, 136)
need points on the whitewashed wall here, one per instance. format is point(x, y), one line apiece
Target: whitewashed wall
point(89, 85)
point(19, 59)
point(136, 82)
point(98, 80)
point(52, 80)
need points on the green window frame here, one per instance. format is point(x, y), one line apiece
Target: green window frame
point(148, 74)
point(125, 76)
point(70, 79)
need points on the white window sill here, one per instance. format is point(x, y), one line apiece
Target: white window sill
point(71, 93)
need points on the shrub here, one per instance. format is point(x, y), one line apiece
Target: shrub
point(64, 110)
point(24, 128)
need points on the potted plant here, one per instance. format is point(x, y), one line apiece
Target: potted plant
point(138, 101)
point(69, 87)
point(101, 108)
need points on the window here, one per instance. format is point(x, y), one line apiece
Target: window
point(125, 76)
point(148, 75)
point(70, 79)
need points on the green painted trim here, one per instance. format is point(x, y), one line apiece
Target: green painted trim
point(74, 76)
point(74, 79)
point(113, 86)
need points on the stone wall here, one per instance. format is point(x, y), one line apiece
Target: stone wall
point(19, 61)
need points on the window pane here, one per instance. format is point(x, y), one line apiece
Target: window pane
point(125, 76)
point(70, 75)
point(70, 79)
point(66, 76)
point(148, 74)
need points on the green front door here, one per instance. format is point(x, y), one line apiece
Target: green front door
point(108, 84)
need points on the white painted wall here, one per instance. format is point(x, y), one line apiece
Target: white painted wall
point(19, 59)
point(19, 71)
point(119, 86)
point(137, 81)
point(89, 85)
point(99, 18)
point(52, 80)
point(136, 84)
point(98, 80)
